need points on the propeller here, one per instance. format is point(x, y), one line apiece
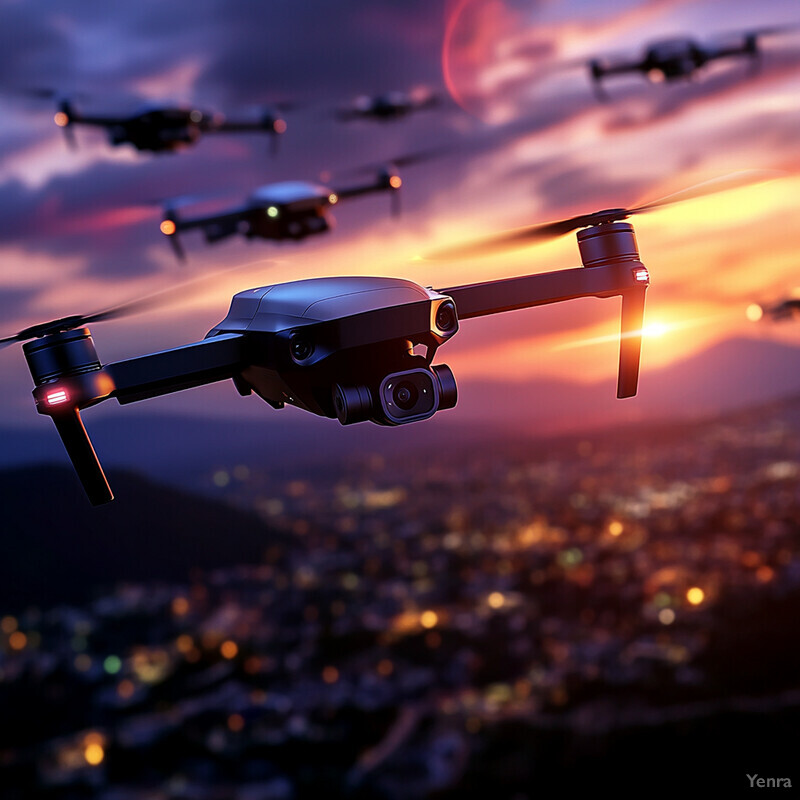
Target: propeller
point(521, 237)
point(159, 299)
point(78, 320)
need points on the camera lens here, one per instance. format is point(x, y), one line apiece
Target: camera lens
point(446, 317)
point(405, 395)
point(301, 348)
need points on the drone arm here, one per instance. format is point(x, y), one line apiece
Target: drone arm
point(214, 359)
point(629, 279)
point(494, 297)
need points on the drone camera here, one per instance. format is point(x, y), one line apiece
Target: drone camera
point(416, 394)
point(352, 403)
point(300, 347)
point(446, 317)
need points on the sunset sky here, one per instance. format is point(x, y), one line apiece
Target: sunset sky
point(529, 143)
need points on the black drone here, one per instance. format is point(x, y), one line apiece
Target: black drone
point(346, 348)
point(290, 210)
point(679, 58)
point(389, 106)
point(164, 128)
point(784, 310)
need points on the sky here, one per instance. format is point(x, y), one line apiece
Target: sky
point(524, 140)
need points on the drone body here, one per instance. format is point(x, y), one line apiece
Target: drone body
point(162, 128)
point(388, 106)
point(348, 348)
point(290, 210)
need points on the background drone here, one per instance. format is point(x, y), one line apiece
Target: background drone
point(162, 128)
point(681, 58)
point(389, 106)
point(289, 210)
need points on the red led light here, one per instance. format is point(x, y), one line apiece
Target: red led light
point(641, 274)
point(56, 398)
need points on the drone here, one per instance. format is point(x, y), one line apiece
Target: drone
point(346, 348)
point(784, 310)
point(165, 129)
point(388, 106)
point(349, 348)
point(679, 58)
point(289, 210)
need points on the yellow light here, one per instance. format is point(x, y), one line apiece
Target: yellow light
point(695, 595)
point(333, 198)
point(229, 649)
point(395, 182)
point(615, 528)
point(8, 624)
point(754, 312)
point(184, 643)
point(428, 619)
point(61, 119)
point(330, 674)
point(654, 329)
point(235, 722)
point(94, 754)
point(764, 574)
point(496, 600)
point(385, 667)
point(666, 616)
point(168, 227)
point(272, 211)
point(180, 606)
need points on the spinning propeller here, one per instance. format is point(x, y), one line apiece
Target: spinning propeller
point(521, 237)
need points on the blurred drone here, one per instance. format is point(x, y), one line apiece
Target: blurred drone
point(779, 312)
point(680, 58)
point(347, 348)
point(389, 106)
point(289, 210)
point(164, 128)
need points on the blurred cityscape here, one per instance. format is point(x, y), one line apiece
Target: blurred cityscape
point(608, 612)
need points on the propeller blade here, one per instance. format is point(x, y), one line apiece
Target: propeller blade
point(520, 237)
point(159, 299)
point(734, 180)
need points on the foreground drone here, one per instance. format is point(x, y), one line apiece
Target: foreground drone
point(289, 210)
point(160, 128)
point(349, 348)
point(680, 58)
point(389, 106)
point(346, 348)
